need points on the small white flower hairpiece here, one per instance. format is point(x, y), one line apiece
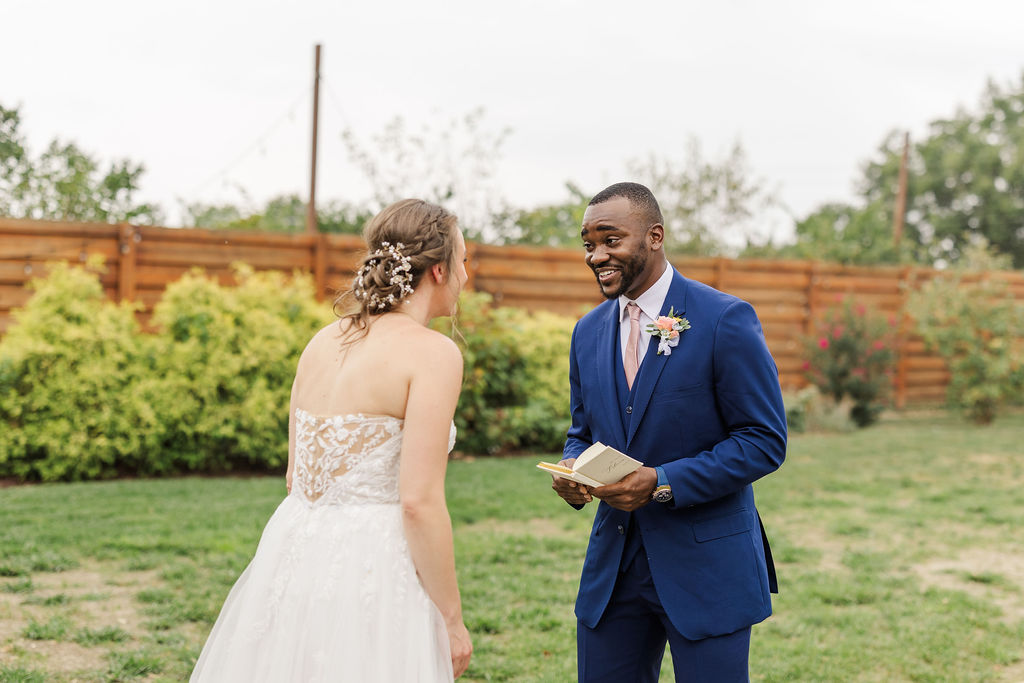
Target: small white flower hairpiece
point(400, 275)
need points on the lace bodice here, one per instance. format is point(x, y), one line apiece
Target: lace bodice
point(343, 459)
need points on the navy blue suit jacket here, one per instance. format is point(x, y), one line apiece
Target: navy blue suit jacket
point(711, 415)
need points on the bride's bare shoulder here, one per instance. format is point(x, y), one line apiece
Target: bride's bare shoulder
point(427, 345)
point(329, 333)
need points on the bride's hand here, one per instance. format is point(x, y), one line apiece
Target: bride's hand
point(461, 647)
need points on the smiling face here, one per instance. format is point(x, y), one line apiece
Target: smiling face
point(623, 250)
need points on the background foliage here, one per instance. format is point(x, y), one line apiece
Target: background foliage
point(850, 355)
point(65, 182)
point(86, 394)
point(227, 359)
point(515, 385)
point(964, 184)
point(978, 327)
point(76, 385)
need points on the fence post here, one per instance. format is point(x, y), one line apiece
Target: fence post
point(812, 283)
point(126, 261)
point(720, 266)
point(472, 266)
point(907, 279)
point(320, 265)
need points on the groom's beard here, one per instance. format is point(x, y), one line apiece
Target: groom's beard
point(628, 273)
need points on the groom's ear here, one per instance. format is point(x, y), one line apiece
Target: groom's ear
point(656, 235)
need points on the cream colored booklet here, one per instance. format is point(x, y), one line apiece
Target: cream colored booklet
point(597, 466)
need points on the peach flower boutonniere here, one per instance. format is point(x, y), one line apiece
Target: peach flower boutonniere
point(667, 329)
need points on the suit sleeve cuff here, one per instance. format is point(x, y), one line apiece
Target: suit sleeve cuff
point(662, 477)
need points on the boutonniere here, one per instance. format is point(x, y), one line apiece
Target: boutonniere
point(667, 329)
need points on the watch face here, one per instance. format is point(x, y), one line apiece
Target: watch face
point(662, 496)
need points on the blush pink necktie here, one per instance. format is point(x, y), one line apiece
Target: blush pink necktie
point(631, 362)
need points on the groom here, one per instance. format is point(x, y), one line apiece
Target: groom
point(677, 551)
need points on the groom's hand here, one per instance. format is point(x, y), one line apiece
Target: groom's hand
point(631, 492)
point(571, 492)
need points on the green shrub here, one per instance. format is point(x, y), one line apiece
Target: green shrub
point(543, 338)
point(515, 390)
point(978, 328)
point(227, 361)
point(850, 354)
point(75, 386)
point(494, 379)
point(85, 394)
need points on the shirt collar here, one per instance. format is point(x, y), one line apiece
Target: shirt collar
point(651, 301)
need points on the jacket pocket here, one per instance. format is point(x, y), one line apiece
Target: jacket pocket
point(719, 527)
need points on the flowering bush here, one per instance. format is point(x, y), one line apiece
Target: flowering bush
point(851, 355)
point(979, 330)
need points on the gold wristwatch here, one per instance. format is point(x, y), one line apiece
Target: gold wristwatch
point(662, 494)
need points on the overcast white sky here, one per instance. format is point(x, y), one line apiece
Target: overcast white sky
point(215, 94)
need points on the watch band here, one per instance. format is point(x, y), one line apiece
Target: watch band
point(662, 494)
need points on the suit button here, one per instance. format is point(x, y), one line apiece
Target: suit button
point(622, 530)
point(629, 409)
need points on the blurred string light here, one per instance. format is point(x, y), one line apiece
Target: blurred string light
point(335, 101)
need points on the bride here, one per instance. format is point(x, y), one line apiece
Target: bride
point(354, 576)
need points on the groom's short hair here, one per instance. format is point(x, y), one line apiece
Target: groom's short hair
point(640, 198)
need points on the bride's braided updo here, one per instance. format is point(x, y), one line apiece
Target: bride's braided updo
point(404, 241)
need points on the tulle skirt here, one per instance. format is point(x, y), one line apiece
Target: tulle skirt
point(331, 595)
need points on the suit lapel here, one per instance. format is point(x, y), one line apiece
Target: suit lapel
point(651, 368)
point(606, 367)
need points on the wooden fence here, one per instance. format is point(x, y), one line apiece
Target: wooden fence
point(788, 295)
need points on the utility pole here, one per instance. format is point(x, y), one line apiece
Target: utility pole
point(311, 226)
point(901, 196)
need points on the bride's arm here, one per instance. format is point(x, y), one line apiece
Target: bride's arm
point(433, 393)
point(291, 439)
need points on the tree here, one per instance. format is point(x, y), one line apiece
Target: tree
point(548, 225)
point(709, 205)
point(966, 180)
point(284, 213)
point(65, 183)
point(453, 164)
point(842, 233)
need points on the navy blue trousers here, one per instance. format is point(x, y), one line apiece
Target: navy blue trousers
point(629, 642)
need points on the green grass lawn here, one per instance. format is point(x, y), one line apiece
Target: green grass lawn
point(900, 552)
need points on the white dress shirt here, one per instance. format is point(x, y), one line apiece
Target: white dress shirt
point(650, 303)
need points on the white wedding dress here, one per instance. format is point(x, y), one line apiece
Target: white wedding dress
point(332, 593)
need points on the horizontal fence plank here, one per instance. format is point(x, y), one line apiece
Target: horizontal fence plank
point(44, 229)
point(180, 253)
point(788, 295)
point(772, 280)
point(57, 248)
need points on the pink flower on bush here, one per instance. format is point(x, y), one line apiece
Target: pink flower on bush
point(860, 309)
point(837, 332)
point(823, 343)
point(806, 365)
point(878, 345)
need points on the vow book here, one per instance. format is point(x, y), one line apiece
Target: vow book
point(596, 466)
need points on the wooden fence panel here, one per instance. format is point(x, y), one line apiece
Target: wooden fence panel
point(789, 296)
